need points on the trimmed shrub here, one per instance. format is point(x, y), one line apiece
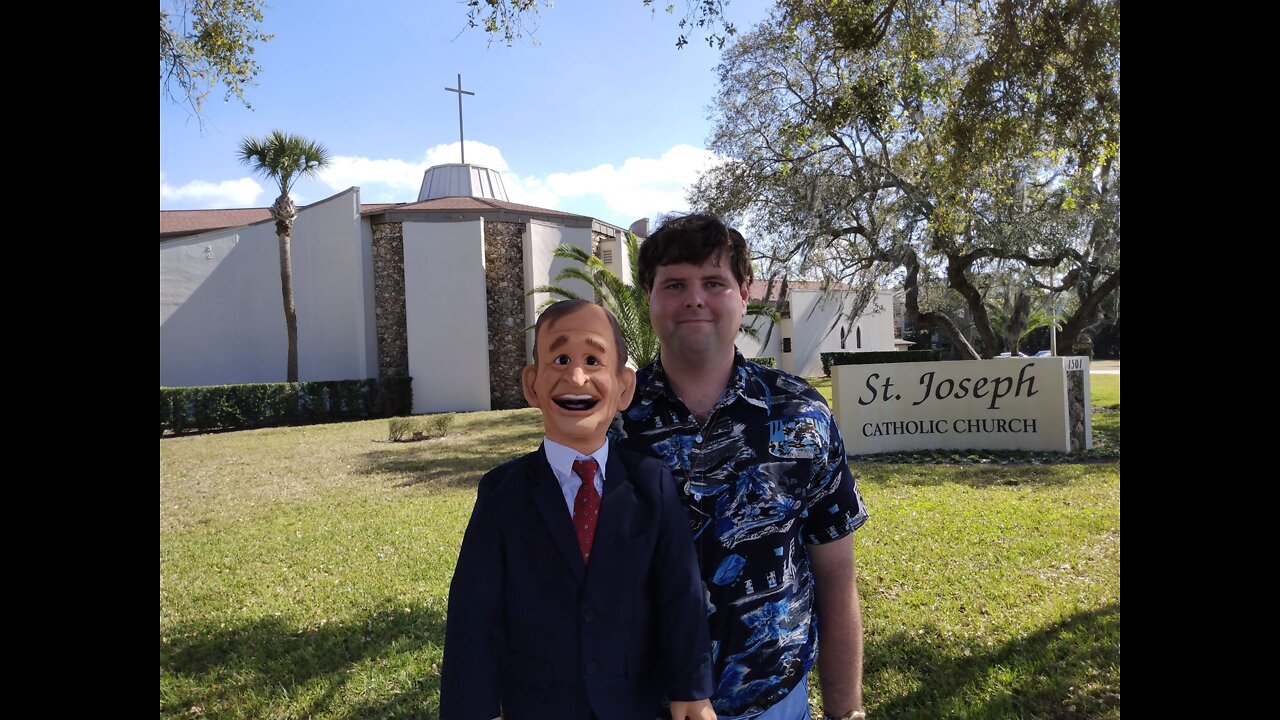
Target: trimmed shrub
point(234, 407)
point(400, 429)
point(438, 425)
point(830, 359)
point(765, 361)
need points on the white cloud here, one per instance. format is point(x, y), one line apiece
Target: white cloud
point(393, 180)
point(379, 180)
point(642, 187)
point(478, 153)
point(200, 194)
point(530, 191)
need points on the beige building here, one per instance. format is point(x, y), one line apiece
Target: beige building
point(817, 319)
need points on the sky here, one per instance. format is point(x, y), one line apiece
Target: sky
point(597, 114)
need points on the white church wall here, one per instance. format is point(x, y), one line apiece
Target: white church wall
point(877, 323)
point(221, 314)
point(331, 292)
point(812, 315)
point(613, 252)
point(541, 267)
point(757, 346)
point(445, 315)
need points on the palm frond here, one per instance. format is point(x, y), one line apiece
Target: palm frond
point(284, 157)
point(563, 293)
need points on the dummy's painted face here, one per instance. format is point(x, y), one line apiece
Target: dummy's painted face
point(578, 380)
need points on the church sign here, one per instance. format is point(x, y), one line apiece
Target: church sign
point(998, 404)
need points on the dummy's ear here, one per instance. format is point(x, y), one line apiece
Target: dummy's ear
point(627, 385)
point(528, 375)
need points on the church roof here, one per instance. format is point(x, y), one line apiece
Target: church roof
point(758, 287)
point(179, 223)
point(458, 180)
point(174, 223)
point(460, 190)
point(470, 204)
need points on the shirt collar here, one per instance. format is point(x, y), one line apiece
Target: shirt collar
point(738, 385)
point(561, 457)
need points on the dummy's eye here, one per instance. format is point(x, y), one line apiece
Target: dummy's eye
point(592, 360)
point(560, 360)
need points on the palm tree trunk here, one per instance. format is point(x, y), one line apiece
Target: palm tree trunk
point(284, 213)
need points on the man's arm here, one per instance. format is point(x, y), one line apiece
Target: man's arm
point(839, 625)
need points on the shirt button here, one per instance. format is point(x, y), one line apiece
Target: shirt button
point(589, 615)
point(591, 668)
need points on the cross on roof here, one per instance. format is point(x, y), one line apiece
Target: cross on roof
point(461, 92)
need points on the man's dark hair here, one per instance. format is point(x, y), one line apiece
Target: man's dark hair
point(564, 307)
point(693, 239)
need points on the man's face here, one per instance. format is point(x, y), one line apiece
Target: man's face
point(697, 309)
point(577, 380)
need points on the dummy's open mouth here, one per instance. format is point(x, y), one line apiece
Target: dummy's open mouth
point(575, 402)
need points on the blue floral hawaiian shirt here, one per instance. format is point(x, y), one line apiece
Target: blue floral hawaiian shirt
point(763, 476)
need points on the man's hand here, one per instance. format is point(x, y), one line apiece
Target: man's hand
point(692, 710)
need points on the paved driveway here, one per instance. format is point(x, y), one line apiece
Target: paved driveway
point(1104, 367)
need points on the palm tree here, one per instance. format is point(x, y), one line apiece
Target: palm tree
point(285, 158)
point(1017, 318)
point(627, 302)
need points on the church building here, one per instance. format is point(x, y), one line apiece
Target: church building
point(433, 289)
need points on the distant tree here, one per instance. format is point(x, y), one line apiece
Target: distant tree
point(920, 140)
point(204, 43)
point(285, 158)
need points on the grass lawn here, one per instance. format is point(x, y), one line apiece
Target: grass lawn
point(304, 572)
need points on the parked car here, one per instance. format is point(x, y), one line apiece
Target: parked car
point(1044, 353)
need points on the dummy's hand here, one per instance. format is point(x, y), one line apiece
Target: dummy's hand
point(692, 710)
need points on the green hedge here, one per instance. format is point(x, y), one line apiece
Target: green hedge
point(871, 358)
point(765, 361)
point(233, 407)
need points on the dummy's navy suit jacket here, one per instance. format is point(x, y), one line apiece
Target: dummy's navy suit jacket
point(533, 632)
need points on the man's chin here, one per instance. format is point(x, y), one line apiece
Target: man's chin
point(571, 431)
point(697, 345)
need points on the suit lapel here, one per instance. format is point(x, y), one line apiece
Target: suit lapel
point(617, 506)
point(555, 514)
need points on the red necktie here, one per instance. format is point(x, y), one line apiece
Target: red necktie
point(586, 506)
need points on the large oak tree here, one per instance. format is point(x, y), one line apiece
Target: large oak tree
point(919, 139)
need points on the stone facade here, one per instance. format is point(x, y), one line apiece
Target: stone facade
point(388, 294)
point(504, 281)
point(1076, 409)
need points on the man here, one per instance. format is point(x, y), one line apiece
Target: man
point(760, 464)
